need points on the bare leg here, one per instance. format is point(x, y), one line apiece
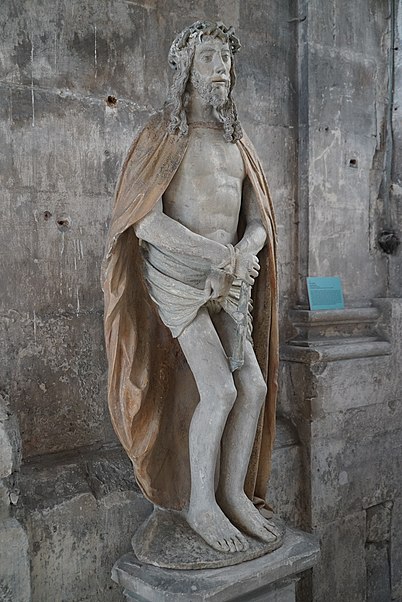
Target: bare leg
point(238, 439)
point(208, 363)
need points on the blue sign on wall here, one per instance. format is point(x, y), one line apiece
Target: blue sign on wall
point(325, 292)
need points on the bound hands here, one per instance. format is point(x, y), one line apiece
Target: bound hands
point(247, 267)
point(240, 264)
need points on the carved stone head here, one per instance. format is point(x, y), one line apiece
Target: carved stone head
point(202, 57)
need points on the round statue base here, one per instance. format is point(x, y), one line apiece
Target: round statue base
point(166, 540)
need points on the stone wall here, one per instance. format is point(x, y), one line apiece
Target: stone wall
point(77, 81)
point(341, 370)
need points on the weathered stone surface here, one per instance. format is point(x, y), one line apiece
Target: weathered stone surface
point(349, 472)
point(79, 514)
point(379, 522)
point(396, 550)
point(338, 190)
point(378, 577)
point(336, 390)
point(10, 440)
point(286, 485)
point(298, 553)
point(70, 387)
point(4, 501)
point(338, 125)
point(14, 563)
point(279, 593)
point(340, 574)
point(6, 451)
point(396, 190)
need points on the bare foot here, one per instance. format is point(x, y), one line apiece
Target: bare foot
point(213, 526)
point(242, 512)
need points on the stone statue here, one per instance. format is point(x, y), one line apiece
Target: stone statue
point(191, 388)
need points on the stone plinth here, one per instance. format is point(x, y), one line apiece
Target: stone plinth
point(343, 396)
point(167, 541)
point(270, 578)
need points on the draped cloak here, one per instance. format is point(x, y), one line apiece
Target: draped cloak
point(152, 393)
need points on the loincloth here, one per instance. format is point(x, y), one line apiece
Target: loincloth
point(177, 285)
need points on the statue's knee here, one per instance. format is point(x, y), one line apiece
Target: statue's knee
point(257, 394)
point(225, 396)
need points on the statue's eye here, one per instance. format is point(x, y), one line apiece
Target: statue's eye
point(206, 58)
point(225, 58)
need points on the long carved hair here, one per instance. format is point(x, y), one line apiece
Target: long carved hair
point(180, 58)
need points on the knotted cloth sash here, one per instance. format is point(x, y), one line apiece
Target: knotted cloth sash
point(177, 284)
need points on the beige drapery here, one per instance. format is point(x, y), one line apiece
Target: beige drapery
point(151, 391)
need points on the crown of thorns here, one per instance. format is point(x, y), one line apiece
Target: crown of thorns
point(194, 34)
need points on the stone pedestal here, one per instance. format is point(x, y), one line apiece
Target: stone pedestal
point(270, 578)
point(343, 397)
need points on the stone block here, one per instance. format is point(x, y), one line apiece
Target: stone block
point(4, 501)
point(340, 574)
point(349, 27)
point(379, 522)
point(339, 99)
point(14, 563)
point(286, 487)
point(57, 363)
point(85, 50)
point(10, 440)
point(390, 324)
point(79, 516)
point(6, 452)
point(336, 389)
point(267, 56)
point(350, 460)
point(378, 577)
point(396, 549)
point(341, 200)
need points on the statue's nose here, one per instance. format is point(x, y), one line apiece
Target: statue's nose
point(219, 65)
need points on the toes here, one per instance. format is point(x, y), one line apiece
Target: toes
point(272, 529)
point(231, 544)
point(222, 546)
point(268, 537)
point(239, 544)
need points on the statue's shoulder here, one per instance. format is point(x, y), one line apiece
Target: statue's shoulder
point(148, 138)
point(155, 126)
point(246, 143)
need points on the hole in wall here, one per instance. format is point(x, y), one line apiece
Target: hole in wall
point(389, 241)
point(111, 101)
point(63, 222)
point(47, 215)
point(353, 163)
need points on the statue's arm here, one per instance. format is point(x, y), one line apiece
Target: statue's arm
point(255, 236)
point(160, 230)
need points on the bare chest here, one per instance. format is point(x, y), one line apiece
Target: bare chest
point(208, 153)
point(205, 193)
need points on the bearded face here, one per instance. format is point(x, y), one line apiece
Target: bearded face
point(210, 73)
